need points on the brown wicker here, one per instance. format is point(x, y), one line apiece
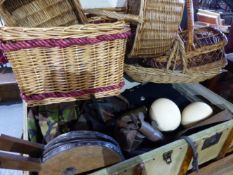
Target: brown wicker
point(41, 13)
point(152, 16)
point(54, 74)
point(196, 55)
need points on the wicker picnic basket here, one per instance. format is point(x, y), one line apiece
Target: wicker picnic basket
point(196, 55)
point(41, 13)
point(150, 17)
point(62, 64)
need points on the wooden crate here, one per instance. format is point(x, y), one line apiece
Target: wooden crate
point(176, 158)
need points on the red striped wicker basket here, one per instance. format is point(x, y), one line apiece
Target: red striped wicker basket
point(62, 64)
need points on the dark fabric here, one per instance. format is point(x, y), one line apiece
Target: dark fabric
point(101, 114)
point(145, 95)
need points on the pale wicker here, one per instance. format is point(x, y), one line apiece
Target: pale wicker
point(52, 74)
point(152, 17)
point(41, 13)
point(196, 55)
point(195, 75)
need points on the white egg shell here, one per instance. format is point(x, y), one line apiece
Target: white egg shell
point(196, 112)
point(166, 114)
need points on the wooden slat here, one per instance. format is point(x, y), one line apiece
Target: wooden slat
point(16, 162)
point(13, 144)
point(226, 146)
point(187, 161)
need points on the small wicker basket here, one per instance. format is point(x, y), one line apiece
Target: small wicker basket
point(41, 13)
point(196, 55)
point(62, 64)
point(151, 17)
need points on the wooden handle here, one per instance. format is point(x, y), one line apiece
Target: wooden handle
point(17, 162)
point(190, 9)
point(12, 144)
point(115, 15)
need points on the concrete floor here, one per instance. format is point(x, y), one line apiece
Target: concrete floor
point(11, 123)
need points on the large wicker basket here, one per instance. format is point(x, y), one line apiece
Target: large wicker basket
point(151, 17)
point(196, 55)
point(41, 13)
point(62, 64)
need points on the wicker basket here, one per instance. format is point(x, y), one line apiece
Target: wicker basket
point(151, 17)
point(196, 55)
point(41, 13)
point(54, 65)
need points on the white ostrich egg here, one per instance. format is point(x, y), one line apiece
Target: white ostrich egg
point(166, 114)
point(196, 112)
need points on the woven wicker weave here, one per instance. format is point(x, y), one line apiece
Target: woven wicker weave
point(41, 13)
point(196, 55)
point(153, 16)
point(60, 64)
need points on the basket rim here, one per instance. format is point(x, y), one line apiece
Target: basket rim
point(210, 68)
point(61, 43)
point(74, 31)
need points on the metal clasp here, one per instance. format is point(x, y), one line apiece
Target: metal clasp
point(167, 157)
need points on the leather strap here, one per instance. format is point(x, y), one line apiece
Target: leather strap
point(193, 146)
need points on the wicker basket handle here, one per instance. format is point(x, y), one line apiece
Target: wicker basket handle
point(77, 8)
point(115, 15)
point(190, 9)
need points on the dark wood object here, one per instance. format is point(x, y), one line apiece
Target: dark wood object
point(68, 154)
point(9, 90)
